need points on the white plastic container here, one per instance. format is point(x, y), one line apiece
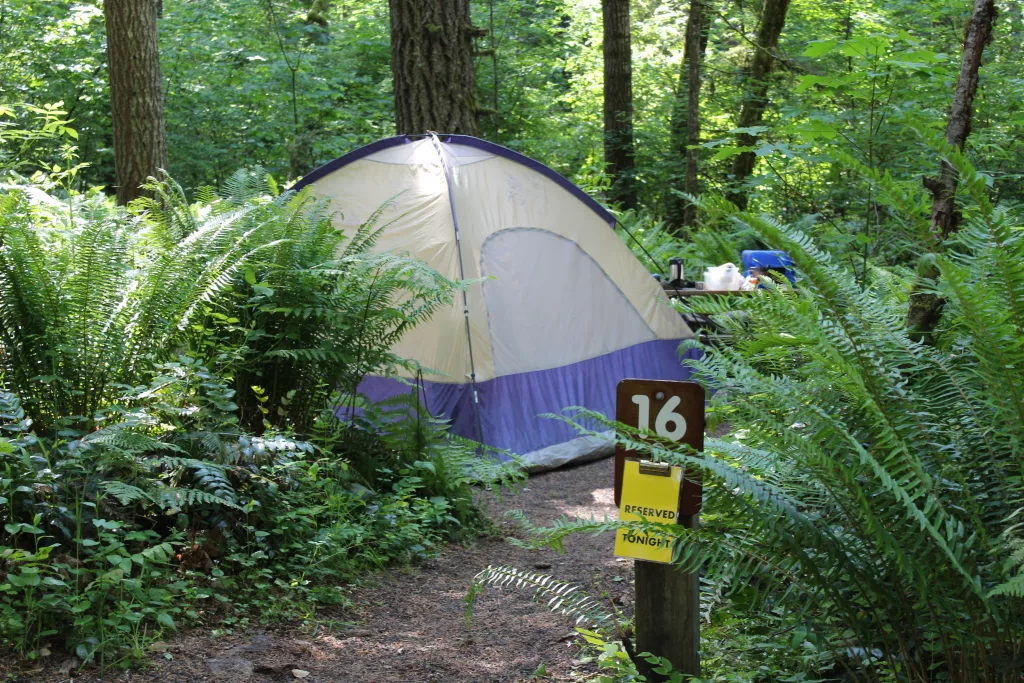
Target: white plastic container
point(724, 278)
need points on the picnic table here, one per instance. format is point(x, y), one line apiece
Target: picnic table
point(700, 323)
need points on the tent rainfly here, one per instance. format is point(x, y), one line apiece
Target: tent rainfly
point(566, 310)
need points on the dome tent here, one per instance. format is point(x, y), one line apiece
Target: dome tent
point(566, 310)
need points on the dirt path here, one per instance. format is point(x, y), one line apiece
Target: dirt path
point(411, 624)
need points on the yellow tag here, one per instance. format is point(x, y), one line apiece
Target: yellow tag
point(651, 497)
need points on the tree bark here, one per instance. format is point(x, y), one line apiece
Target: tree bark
point(136, 100)
point(755, 93)
point(926, 308)
point(619, 154)
point(685, 126)
point(432, 65)
point(317, 13)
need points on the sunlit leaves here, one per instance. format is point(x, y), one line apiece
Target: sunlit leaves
point(871, 47)
point(819, 47)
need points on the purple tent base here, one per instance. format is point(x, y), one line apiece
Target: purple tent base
point(510, 406)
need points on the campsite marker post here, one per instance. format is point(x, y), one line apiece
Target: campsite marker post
point(667, 609)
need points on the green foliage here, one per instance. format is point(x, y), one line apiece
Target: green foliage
point(92, 298)
point(654, 243)
point(869, 482)
point(177, 368)
point(172, 380)
point(609, 632)
point(743, 641)
point(565, 598)
point(105, 594)
point(304, 305)
point(226, 524)
point(289, 87)
point(47, 123)
point(619, 664)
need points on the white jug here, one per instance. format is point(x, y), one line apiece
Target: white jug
point(723, 278)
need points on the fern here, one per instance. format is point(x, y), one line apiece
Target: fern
point(558, 596)
point(166, 499)
point(174, 359)
point(870, 478)
point(126, 494)
point(11, 412)
point(128, 440)
point(90, 309)
point(1014, 588)
point(173, 499)
point(211, 478)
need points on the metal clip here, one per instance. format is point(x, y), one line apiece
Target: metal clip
point(658, 469)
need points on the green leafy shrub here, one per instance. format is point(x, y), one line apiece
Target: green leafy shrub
point(309, 311)
point(110, 537)
point(605, 629)
point(171, 450)
point(872, 484)
point(654, 242)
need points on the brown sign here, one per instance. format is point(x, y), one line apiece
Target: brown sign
point(674, 412)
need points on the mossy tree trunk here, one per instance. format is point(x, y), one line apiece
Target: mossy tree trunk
point(619, 155)
point(925, 307)
point(755, 93)
point(685, 125)
point(136, 99)
point(432, 66)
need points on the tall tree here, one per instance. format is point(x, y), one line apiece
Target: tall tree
point(755, 92)
point(432, 65)
point(619, 154)
point(136, 100)
point(681, 213)
point(925, 307)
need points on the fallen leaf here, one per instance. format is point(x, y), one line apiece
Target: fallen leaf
point(68, 664)
point(158, 646)
point(299, 673)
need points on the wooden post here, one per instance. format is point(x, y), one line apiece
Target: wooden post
point(667, 612)
point(667, 609)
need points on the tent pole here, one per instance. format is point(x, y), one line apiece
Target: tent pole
point(462, 276)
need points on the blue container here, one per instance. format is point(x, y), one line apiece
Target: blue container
point(771, 260)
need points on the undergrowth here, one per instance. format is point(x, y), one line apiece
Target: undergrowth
point(173, 448)
point(864, 511)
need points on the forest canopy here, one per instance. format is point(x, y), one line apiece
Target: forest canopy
point(291, 86)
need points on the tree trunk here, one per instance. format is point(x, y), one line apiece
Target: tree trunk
point(432, 65)
point(755, 93)
point(619, 155)
point(317, 13)
point(685, 126)
point(136, 101)
point(926, 308)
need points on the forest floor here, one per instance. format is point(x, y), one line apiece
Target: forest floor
point(408, 624)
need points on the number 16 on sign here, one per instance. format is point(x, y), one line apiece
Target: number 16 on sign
point(666, 417)
point(678, 410)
